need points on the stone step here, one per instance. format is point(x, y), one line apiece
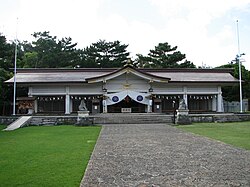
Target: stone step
point(132, 118)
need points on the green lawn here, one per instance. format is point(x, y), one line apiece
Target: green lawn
point(237, 134)
point(45, 156)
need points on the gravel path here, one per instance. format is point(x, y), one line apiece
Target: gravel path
point(161, 155)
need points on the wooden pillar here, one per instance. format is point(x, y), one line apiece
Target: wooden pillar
point(150, 103)
point(185, 96)
point(219, 100)
point(71, 106)
point(35, 106)
point(214, 104)
point(67, 104)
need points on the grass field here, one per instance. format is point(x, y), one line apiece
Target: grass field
point(45, 156)
point(237, 134)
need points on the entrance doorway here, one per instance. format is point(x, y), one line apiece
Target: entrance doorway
point(127, 102)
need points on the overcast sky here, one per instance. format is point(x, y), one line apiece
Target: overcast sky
point(204, 30)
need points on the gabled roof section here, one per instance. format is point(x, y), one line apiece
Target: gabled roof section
point(128, 68)
point(91, 75)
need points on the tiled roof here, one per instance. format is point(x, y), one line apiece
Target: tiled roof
point(197, 76)
point(80, 75)
point(59, 77)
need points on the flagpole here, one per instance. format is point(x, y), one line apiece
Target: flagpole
point(14, 94)
point(238, 56)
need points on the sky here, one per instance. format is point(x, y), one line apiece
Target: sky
point(204, 30)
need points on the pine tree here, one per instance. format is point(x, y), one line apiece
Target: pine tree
point(104, 54)
point(163, 56)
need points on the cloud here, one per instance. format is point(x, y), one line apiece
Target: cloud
point(63, 18)
point(203, 30)
point(189, 23)
point(211, 8)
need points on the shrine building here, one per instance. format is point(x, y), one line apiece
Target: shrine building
point(118, 90)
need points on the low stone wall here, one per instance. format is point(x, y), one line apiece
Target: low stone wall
point(52, 120)
point(244, 117)
point(209, 118)
point(6, 120)
point(72, 120)
point(59, 120)
point(201, 119)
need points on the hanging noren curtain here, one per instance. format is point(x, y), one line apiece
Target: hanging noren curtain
point(136, 96)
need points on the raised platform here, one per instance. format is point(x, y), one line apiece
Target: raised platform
point(127, 118)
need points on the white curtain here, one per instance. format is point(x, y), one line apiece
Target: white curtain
point(136, 96)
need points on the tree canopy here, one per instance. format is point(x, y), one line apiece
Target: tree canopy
point(163, 56)
point(47, 51)
point(106, 54)
point(231, 93)
point(6, 63)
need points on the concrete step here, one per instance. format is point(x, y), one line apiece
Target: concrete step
point(18, 123)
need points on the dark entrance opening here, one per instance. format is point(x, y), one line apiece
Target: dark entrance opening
point(127, 102)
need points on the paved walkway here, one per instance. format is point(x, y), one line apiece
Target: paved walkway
point(161, 155)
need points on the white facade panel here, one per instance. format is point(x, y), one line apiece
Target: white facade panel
point(47, 90)
point(166, 88)
point(127, 81)
point(86, 89)
point(202, 89)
